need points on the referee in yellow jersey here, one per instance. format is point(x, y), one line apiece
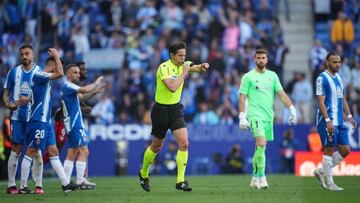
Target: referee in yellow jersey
point(167, 113)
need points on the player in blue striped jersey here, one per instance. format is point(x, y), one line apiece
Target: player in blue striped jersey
point(74, 125)
point(40, 131)
point(331, 105)
point(16, 96)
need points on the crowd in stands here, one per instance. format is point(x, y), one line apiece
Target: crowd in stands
point(223, 33)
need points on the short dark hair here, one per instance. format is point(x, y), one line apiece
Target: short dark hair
point(174, 47)
point(70, 65)
point(333, 53)
point(260, 51)
point(79, 63)
point(51, 58)
point(26, 46)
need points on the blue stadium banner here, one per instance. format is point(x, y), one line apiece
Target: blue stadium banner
point(104, 58)
point(118, 149)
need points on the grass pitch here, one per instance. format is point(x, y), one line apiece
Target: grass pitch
point(206, 189)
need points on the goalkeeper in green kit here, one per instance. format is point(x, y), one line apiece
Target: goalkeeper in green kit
point(259, 87)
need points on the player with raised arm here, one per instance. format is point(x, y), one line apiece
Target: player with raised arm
point(167, 113)
point(74, 125)
point(59, 127)
point(40, 133)
point(17, 92)
point(259, 86)
point(331, 105)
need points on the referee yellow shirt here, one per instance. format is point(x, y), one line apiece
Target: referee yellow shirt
point(168, 70)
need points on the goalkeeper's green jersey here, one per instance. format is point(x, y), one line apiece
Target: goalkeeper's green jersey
point(260, 89)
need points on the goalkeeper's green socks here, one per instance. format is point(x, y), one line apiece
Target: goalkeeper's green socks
point(181, 161)
point(259, 161)
point(149, 156)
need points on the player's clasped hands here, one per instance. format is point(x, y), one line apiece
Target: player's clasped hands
point(243, 122)
point(330, 128)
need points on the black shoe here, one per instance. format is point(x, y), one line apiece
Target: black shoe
point(69, 187)
point(25, 190)
point(184, 186)
point(87, 185)
point(144, 182)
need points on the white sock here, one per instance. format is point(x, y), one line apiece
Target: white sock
point(37, 169)
point(68, 167)
point(12, 167)
point(25, 170)
point(59, 169)
point(336, 158)
point(80, 170)
point(327, 166)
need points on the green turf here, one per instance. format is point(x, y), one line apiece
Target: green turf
point(206, 189)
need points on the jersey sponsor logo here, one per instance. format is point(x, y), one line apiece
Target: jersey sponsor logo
point(262, 87)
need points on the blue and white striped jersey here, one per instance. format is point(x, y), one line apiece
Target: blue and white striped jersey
point(71, 107)
point(18, 82)
point(40, 109)
point(333, 89)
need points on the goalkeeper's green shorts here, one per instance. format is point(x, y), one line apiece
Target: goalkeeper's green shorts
point(262, 128)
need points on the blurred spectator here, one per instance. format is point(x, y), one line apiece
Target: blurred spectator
point(147, 15)
point(172, 15)
point(302, 98)
point(169, 160)
point(30, 16)
point(234, 161)
point(287, 152)
point(204, 16)
point(317, 58)
point(226, 110)
point(245, 25)
point(264, 11)
point(314, 142)
point(6, 136)
point(355, 77)
point(103, 110)
point(342, 32)
point(345, 72)
point(3, 164)
point(216, 56)
point(205, 116)
point(321, 10)
point(231, 34)
point(80, 40)
point(116, 13)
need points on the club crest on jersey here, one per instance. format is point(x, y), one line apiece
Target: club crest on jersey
point(339, 93)
point(25, 89)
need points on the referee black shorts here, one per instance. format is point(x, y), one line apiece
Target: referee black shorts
point(164, 117)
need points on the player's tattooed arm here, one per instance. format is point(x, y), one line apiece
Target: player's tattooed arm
point(9, 104)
